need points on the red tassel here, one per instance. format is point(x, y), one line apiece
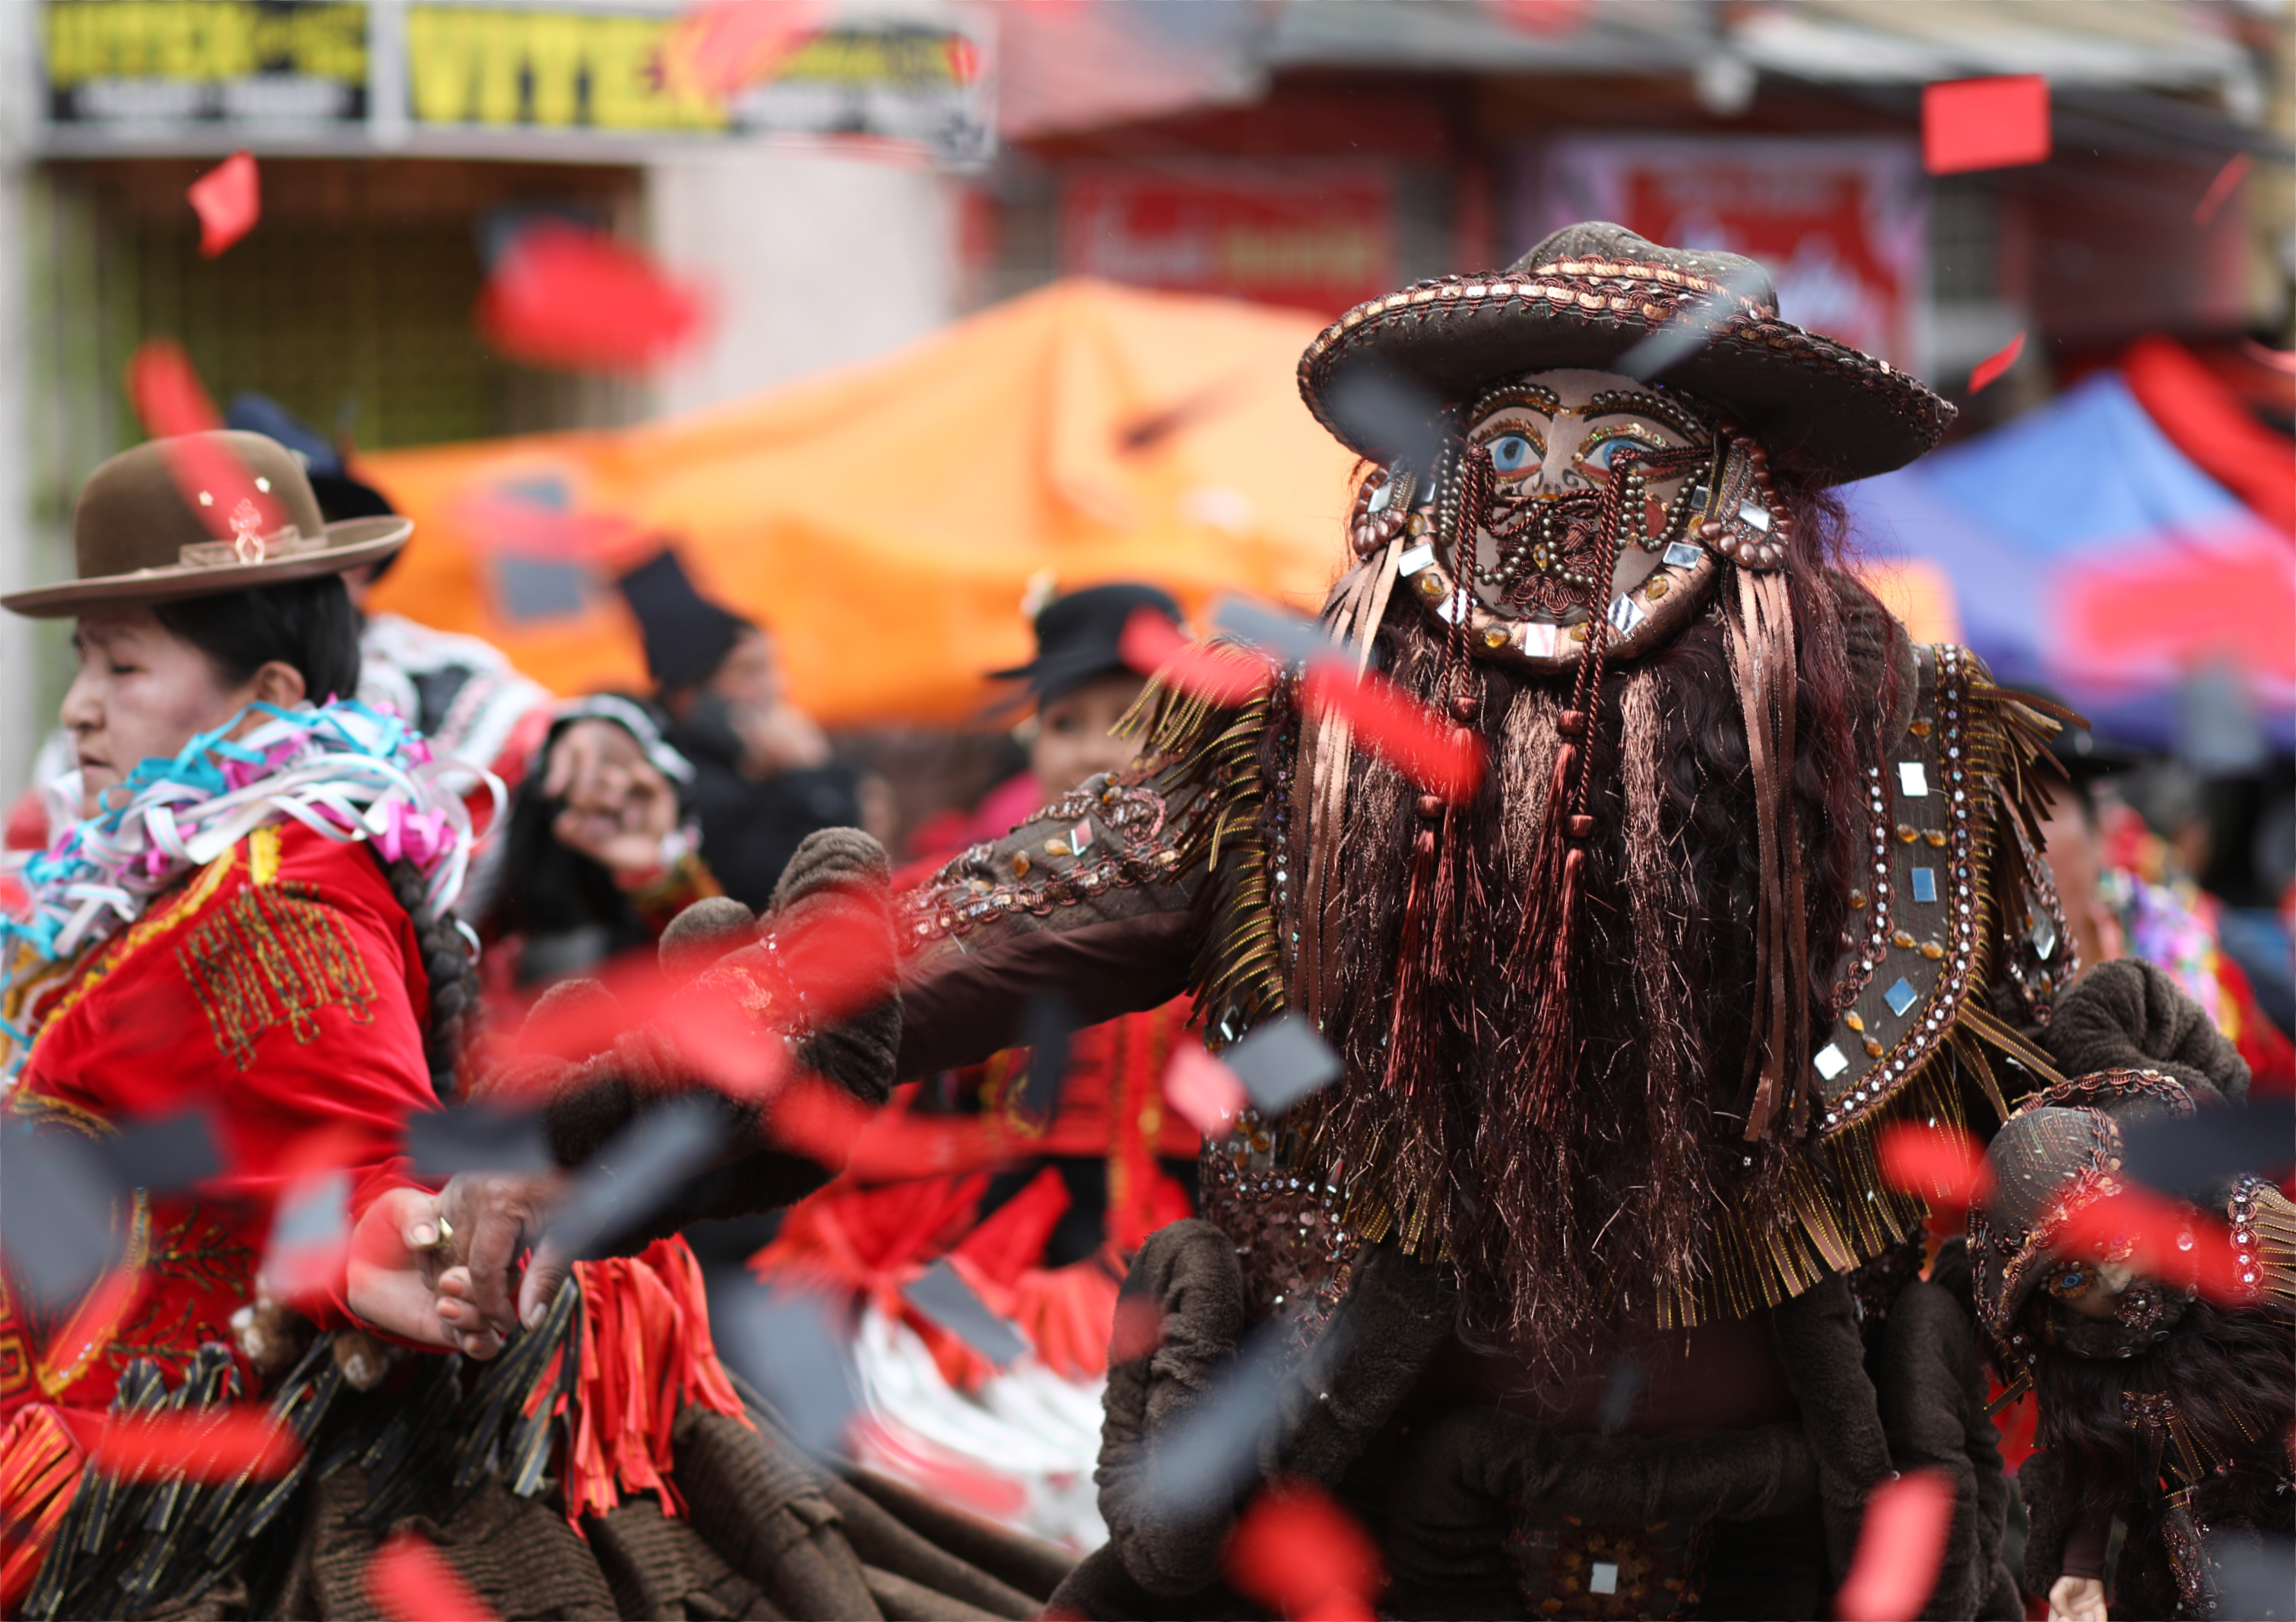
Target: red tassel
point(646, 1352)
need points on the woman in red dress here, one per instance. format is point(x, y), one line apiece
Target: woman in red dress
point(1034, 1177)
point(252, 921)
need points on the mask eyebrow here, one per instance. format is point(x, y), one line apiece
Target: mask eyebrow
point(1656, 407)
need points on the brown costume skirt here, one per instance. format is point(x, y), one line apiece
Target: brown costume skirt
point(767, 1532)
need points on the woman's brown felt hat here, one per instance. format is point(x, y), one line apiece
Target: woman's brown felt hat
point(1587, 297)
point(138, 535)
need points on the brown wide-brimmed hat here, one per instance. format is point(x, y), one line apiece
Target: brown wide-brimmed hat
point(139, 538)
point(1586, 297)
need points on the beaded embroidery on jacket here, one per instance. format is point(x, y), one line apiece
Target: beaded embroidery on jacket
point(344, 770)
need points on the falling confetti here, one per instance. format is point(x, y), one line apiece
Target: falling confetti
point(410, 1581)
point(1204, 1091)
point(1985, 123)
point(2226, 182)
point(218, 1446)
point(1994, 365)
point(228, 199)
point(1297, 1550)
point(172, 402)
point(1899, 1549)
point(717, 49)
point(561, 295)
point(1941, 1163)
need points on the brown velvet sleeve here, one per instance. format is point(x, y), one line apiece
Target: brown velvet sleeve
point(1092, 898)
point(2085, 1547)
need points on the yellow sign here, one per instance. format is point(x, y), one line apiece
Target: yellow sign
point(497, 68)
point(127, 71)
point(550, 70)
point(202, 41)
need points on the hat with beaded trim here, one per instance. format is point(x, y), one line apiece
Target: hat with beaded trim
point(1584, 298)
point(2057, 1154)
point(139, 539)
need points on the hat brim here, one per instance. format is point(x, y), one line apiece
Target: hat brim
point(350, 544)
point(1062, 672)
point(1819, 407)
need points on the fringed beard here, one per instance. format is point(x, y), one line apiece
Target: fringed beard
point(1601, 1219)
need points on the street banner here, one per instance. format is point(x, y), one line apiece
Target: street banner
point(1315, 236)
point(1840, 224)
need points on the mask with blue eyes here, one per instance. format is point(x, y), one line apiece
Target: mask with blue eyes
point(1513, 453)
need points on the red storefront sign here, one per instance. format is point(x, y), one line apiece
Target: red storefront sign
point(1841, 225)
point(1320, 238)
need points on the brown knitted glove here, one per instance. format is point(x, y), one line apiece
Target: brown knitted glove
point(2128, 1015)
point(1187, 1274)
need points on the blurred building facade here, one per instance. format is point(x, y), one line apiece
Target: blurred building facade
point(1334, 150)
point(401, 144)
point(919, 158)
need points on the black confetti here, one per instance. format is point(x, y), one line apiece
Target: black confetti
point(643, 1168)
point(1281, 1062)
point(945, 1297)
point(477, 1137)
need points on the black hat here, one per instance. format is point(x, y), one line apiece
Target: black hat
point(687, 637)
point(1585, 297)
point(1078, 636)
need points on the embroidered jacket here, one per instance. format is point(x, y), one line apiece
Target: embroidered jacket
point(279, 988)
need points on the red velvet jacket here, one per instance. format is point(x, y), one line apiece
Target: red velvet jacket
point(279, 988)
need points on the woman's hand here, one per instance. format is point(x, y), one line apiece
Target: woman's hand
point(395, 1261)
point(620, 808)
point(2077, 1599)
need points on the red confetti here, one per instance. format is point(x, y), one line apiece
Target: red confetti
point(716, 49)
point(228, 199)
point(170, 397)
point(837, 963)
point(410, 1581)
point(818, 1119)
point(1899, 1549)
point(2227, 180)
point(1297, 1550)
point(563, 297)
point(219, 1446)
point(1549, 17)
point(1443, 759)
point(1137, 1330)
point(1985, 123)
point(1943, 1165)
point(1994, 365)
point(839, 960)
point(1152, 646)
point(2165, 1240)
point(1204, 1091)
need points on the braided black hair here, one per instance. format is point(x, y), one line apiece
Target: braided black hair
point(454, 1006)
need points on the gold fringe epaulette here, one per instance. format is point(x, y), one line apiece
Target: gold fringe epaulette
point(1214, 770)
point(1953, 901)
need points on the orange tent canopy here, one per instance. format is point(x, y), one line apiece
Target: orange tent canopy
point(886, 519)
